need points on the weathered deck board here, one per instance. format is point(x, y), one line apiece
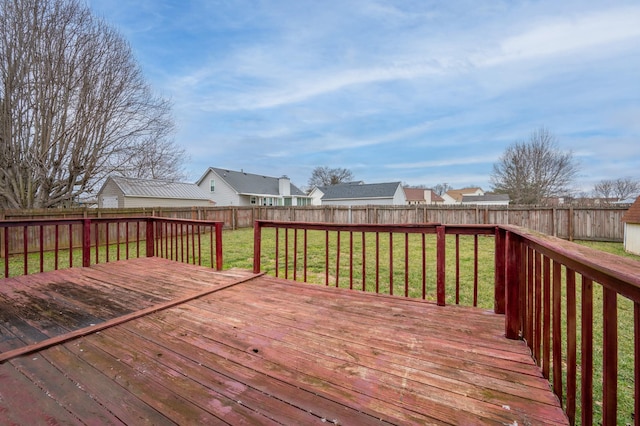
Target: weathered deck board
point(262, 351)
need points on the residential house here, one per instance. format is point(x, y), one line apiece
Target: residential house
point(417, 196)
point(631, 220)
point(123, 192)
point(233, 188)
point(486, 199)
point(359, 194)
point(454, 196)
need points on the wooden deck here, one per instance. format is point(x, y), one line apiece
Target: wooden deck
point(150, 341)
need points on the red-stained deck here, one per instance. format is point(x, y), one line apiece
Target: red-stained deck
point(252, 349)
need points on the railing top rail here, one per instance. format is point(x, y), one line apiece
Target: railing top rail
point(422, 228)
point(615, 272)
point(78, 220)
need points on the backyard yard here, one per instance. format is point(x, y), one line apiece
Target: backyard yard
point(366, 259)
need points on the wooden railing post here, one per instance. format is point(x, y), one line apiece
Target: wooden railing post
point(86, 242)
point(441, 246)
point(257, 243)
point(499, 274)
point(151, 223)
point(512, 301)
point(218, 228)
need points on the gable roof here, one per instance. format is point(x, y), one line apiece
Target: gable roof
point(457, 194)
point(249, 183)
point(155, 188)
point(366, 190)
point(485, 198)
point(633, 214)
point(414, 194)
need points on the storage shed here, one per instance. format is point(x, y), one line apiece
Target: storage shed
point(631, 221)
point(121, 192)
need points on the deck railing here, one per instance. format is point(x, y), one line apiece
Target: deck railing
point(29, 246)
point(585, 338)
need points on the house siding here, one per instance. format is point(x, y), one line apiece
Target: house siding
point(110, 189)
point(632, 238)
point(161, 202)
point(224, 195)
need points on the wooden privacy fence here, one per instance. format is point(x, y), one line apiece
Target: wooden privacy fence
point(571, 222)
point(578, 309)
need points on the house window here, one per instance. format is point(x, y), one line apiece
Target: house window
point(212, 185)
point(287, 201)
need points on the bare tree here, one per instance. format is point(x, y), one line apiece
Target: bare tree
point(603, 189)
point(620, 189)
point(530, 171)
point(324, 176)
point(74, 103)
point(441, 188)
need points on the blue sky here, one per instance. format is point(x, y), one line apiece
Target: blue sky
point(422, 92)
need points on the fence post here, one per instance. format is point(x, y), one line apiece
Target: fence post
point(86, 242)
point(441, 264)
point(150, 222)
point(257, 243)
point(512, 303)
point(499, 274)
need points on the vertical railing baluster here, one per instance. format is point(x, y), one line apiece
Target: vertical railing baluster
point(636, 362)
point(364, 262)
point(441, 258)
point(377, 262)
point(118, 226)
point(126, 238)
point(97, 240)
point(424, 266)
point(500, 272)
point(6, 251)
point(457, 269)
point(25, 249)
point(557, 331)
point(391, 263)
point(586, 364)
point(70, 246)
point(277, 251)
point(350, 260)
point(475, 270)
point(306, 260)
point(41, 248)
point(530, 299)
point(537, 323)
point(106, 240)
point(200, 246)
point(610, 357)
point(406, 264)
point(138, 239)
point(286, 253)
point(326, 257)
point(295, 254)
point(337, 257)
point(546, 326)
point(571, 345)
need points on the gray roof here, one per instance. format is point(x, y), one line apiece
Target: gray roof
point(154, 188)
point(248, 183)
point(351, 191)
point(485, 198)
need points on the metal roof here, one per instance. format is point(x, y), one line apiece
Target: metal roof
point(153, 188)
point(367, 190)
